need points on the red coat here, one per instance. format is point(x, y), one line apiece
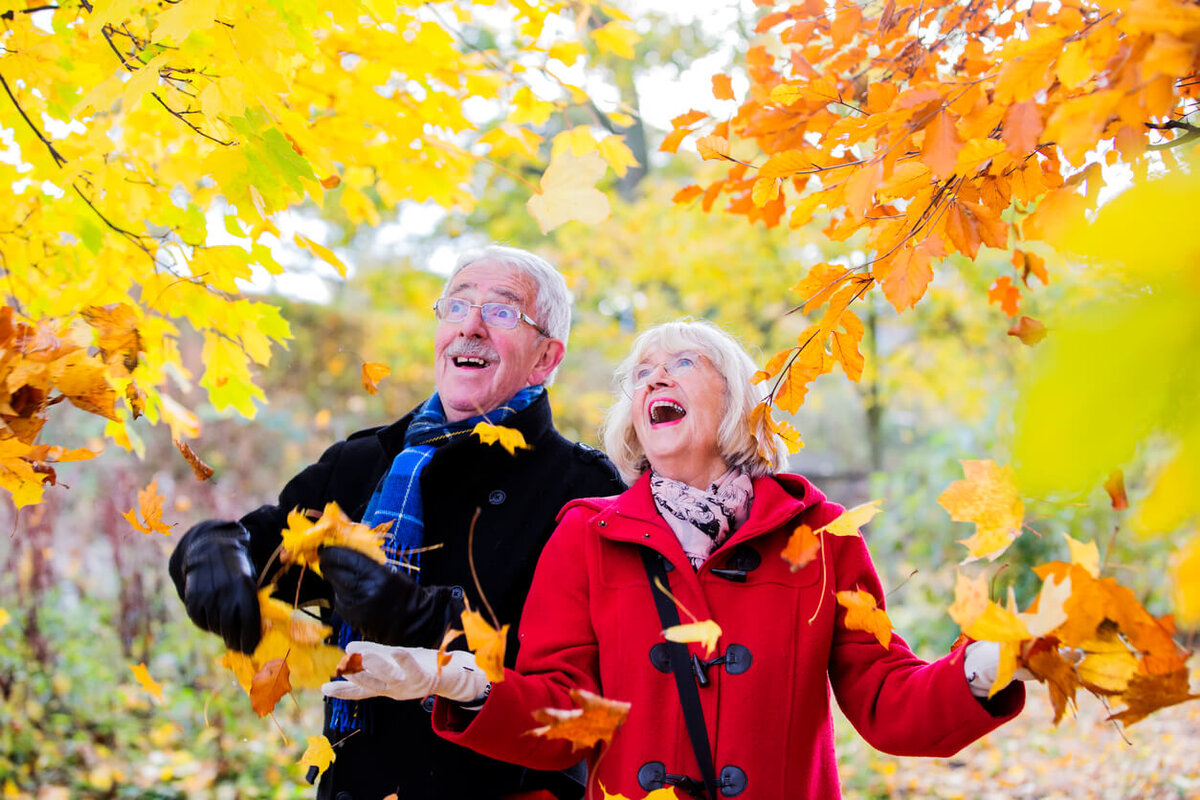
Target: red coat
point(590, 622)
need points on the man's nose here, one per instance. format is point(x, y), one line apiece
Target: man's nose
point(473, 325)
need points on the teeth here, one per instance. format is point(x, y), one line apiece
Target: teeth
point(469, 361)
point(665, 411)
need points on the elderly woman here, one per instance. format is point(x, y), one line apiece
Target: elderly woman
point(708, 516)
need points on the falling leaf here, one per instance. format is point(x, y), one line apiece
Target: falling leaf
point(268, 685)
point(1007, 295)
point(989, 498)
point(1108, 664)
point(595, 720)
point(1048, 665)
point(117, 335)
point(319, 754)
point(201, 470)
point(722, 87)
point(4, 618)
point(1115, 486)
point(303, 537)
point(802, 547)
point(850, 520)
point(486, 642)
point(862, 614)
point(510, 439)
point(142, 676)
point(1028, 330)
point(706, 632)
point(997, 624)
point(568, 192)
point(151, 504)
point(372, 374)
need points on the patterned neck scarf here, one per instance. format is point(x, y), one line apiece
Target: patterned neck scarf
point(397, 499)
point(703, 519)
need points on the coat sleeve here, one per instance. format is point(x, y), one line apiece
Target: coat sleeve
point(559, 652)
point(899, 703)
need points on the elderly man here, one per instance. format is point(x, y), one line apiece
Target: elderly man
point(503, 322)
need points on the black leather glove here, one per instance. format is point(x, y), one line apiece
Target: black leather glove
point(217, 581)
point(385, 605)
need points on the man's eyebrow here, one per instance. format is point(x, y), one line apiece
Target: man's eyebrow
point(507, 294)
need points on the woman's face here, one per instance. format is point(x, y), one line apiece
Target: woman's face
point(678, 404)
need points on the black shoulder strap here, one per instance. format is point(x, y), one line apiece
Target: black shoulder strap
point(685, 681)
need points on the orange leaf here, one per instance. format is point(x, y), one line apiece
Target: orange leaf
point(372, 374)
point(1115, 486)
point(802, 547)
point(942, 143)
point(1022, 127)
point(350, 664)
point(201, 470)
point(722, 87)
point(687, 194)
point(962, 231)
point(1007, 295)
point(860, 188)
point(268, 685)
point(1148, 693)
point(595, 720)
point(862, 614)
point(150, 502)
point(117, 335)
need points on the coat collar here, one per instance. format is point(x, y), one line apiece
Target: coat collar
point(533, 422)
point(633, 516)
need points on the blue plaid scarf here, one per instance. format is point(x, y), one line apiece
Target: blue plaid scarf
point(397, 499)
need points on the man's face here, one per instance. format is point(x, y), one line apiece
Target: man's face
point(476, 367)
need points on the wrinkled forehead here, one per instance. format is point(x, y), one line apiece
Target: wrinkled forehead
point(664, 344)
point(491, 280)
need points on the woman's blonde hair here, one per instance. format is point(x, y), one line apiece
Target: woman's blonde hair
point(758, 451)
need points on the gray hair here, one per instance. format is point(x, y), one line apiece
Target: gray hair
point(552, 308)
point(758, 451)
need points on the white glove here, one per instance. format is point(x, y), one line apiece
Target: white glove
point(981, 663)
point(410, 673)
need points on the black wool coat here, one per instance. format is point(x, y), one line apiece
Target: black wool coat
point(518, 497)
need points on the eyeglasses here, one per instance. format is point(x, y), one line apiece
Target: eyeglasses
point(676, 366)
point(495, 315)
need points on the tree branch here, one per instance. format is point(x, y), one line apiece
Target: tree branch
point(59, 160)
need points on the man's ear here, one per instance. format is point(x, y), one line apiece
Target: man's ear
point(552, 355)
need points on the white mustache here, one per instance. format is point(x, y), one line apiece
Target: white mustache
point(470, 348)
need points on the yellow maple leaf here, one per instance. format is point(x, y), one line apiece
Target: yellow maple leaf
point(850, 520)
point(862, 614)
point(1051, 607)
point(1085, 555)
point(303, 537)
point(989, 498)
point(321, 252)
point(486, 642)
point(142, 676)
point(372, 374)
point(567, 191)
point(705, 632)
point(151, 504)
point(319, 754)
point(510, 439)
point(616, 38)
point(997, 624)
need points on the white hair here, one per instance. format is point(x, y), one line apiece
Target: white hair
point(758, 452)
point(552, 305)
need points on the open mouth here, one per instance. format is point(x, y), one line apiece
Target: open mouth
point(470, 362)
point(666, 411)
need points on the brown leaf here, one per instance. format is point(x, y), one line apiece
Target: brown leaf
point(1048, 665)
point(1028, 330)
point(1115, 486)
point(594, 721)
point(201, 470)
point(268, 685)
point(1148, 693)
point(350, 664)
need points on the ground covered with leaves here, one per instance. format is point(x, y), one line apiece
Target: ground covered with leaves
point(1083, 757)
